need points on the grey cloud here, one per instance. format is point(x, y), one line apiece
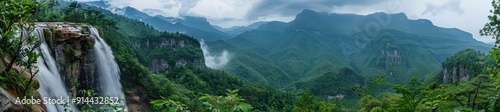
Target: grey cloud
point(153, 12)
point(451, 5)
point(292, 7)
point(186, 5)
point(169, 3)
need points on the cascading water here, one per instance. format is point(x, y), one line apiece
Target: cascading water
point(107, 69)
point(51, 84)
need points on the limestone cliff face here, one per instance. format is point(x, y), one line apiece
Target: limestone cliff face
point(465, 64)
point(164, 42)
point(392, 58)
point(171, 52)
point(71, 45)
point(455, 73)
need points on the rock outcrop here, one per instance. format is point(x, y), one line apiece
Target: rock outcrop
point(8, 103)
point(168, 51)
point(71, 45)
point(455, 73)
point(465, 64)
point(392, 58)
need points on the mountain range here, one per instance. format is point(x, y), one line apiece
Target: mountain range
point(315, 44)
point(299, 54)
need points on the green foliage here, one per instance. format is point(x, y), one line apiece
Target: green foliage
point(474, 94)
point(371, 104)
point(261, 98)
point(492, 28)
point(344, 81)
point(171, 105)
point(326, 107)
point(68, 50)
point(17, 52)
point(229, 103)
point(412, 95)
point(434, 97)
point(307, 103)
point(469, 60)
point(411, 98)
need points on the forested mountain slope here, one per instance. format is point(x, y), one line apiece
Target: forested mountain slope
point(278, 53)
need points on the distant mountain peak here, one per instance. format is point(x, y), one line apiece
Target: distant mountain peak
point(153, 12)
point(401, 16)
point(308, 11)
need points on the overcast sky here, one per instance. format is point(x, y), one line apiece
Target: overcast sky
point(468, 15)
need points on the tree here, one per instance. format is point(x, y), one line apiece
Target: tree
point(473, 94)
point(171, 105)
point(492, 28)
point(17, 52)
point(412, 95)
point(73, 14)
point(304, 103)
point(434, 97)
point(326, 107)
point(229, 103)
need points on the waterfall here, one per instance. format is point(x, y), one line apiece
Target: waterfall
point(53, 86)
point(108, 71)
point(212, 60)
point(51, 83)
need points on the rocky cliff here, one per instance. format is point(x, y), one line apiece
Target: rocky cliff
point(392, 58)
point(455, 73)
point(465, 64)
point(71, 45)
point(167, 51)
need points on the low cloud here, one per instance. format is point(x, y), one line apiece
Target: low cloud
point(183, 5)
point(213, 60)
point(451, 5)
point(186, 5)
point(292, 7)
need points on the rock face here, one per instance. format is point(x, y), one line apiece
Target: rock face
point(163, 42)
point(392, 58)
point(465, 64)
point(455, 74)
point(159, 65)
point(71, 45)
point(7, 101)
point(169, 51)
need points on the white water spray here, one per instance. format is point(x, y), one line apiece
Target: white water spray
point(51, 83)
point(214, 61)
point(109, 74)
